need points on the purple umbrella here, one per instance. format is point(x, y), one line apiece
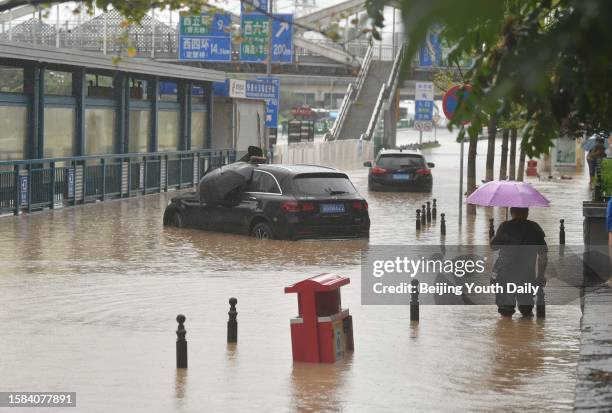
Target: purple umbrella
point(507, 194)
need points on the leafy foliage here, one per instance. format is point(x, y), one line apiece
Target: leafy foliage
point(544, 65)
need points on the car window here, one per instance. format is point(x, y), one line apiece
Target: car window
point(323, 185)
point(395, 161)
point(263, 182)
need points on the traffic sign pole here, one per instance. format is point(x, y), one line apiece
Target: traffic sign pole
point(269, 66)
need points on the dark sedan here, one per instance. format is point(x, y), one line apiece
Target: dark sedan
point(400, 170)
point(280, 202)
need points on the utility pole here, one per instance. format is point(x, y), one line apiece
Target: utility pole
point(269, 65)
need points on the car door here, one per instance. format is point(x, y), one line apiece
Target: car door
point(198, 214)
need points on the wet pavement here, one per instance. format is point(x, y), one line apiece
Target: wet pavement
point(89, 296)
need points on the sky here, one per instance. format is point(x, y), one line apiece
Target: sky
point(68, 19)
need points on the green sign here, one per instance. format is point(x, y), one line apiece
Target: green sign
point(254, 45)
point(196, 25)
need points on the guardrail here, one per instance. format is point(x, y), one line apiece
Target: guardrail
point(35, 184)
point(346, 102)
point(386, 91)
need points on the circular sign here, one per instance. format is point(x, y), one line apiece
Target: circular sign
point(451, 99)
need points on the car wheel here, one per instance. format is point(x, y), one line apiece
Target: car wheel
point(262, 231)
point(178, 220)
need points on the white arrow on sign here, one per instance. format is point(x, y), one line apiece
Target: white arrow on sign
point(284, 26)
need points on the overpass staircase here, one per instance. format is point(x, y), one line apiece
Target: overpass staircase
point(369, 98)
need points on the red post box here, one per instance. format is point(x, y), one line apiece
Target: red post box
point(322, 332)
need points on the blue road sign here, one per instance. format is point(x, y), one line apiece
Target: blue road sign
point(430, 54)
point(23, 190)
point(272, 103)
point(423, 110)
point(211, 49)
point(205, 37)
point(253, 47)
point(71, 183)
point(282, 38)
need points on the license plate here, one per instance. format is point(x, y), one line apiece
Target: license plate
point(401, 177)
point(332, 208)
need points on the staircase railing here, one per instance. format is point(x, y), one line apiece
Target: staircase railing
point(387, 91)
point(352, 94)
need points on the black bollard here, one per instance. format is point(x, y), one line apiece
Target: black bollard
point(181, 343)
point(562, 232)
point(540, 303)
point(232, 324)
point(418, 220)
point(428, 212)
point(442, 224)
point(423, 215)
point(491, 229)
point(414, 300)
point(434, 210)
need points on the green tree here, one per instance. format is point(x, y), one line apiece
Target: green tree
point(551, 57)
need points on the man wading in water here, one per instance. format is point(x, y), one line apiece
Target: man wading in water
point(520, 243)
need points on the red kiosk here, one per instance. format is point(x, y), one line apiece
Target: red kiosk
point(323, 331)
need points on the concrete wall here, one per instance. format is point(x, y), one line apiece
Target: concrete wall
point(342, 154)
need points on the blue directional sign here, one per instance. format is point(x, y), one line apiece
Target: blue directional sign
point(272, 103)
point(282, 38)
point(423, 110)
point(206, 37)
point(254, 45)
point(430, 53)
point(211, 49)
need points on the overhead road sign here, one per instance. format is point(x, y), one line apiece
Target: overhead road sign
point(205, 38)
point(254, 45)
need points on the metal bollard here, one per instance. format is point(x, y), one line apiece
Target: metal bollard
point(442, 224)
point(491, 229)
point(414, 300)
point(428, 212)
point(232, 324)
point(418, 219)
point(562, 232)
point(423, 216)
point(434, 210)
point(540, 303)
point(181, 343)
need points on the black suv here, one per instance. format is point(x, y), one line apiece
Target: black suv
point(400, 170)
point(280, 202)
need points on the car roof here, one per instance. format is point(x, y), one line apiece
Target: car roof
point(297, 169)
point(399, 151)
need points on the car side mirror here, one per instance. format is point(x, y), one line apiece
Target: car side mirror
point(368, 164)
point(431, 165)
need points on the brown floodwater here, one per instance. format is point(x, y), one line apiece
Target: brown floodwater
point(89, 295)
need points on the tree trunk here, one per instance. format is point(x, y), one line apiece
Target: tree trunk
point(521, 165)
point(471, 171)
point(503, 167)
point(492, 133)
point(512, 172)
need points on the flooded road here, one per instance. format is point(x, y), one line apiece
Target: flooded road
point(89, 296)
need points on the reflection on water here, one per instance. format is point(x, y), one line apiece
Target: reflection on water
point(320, 387)
point(90, 294)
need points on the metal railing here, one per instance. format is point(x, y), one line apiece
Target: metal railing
point(387, 90)
point(35, 184)
point(352, 94)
